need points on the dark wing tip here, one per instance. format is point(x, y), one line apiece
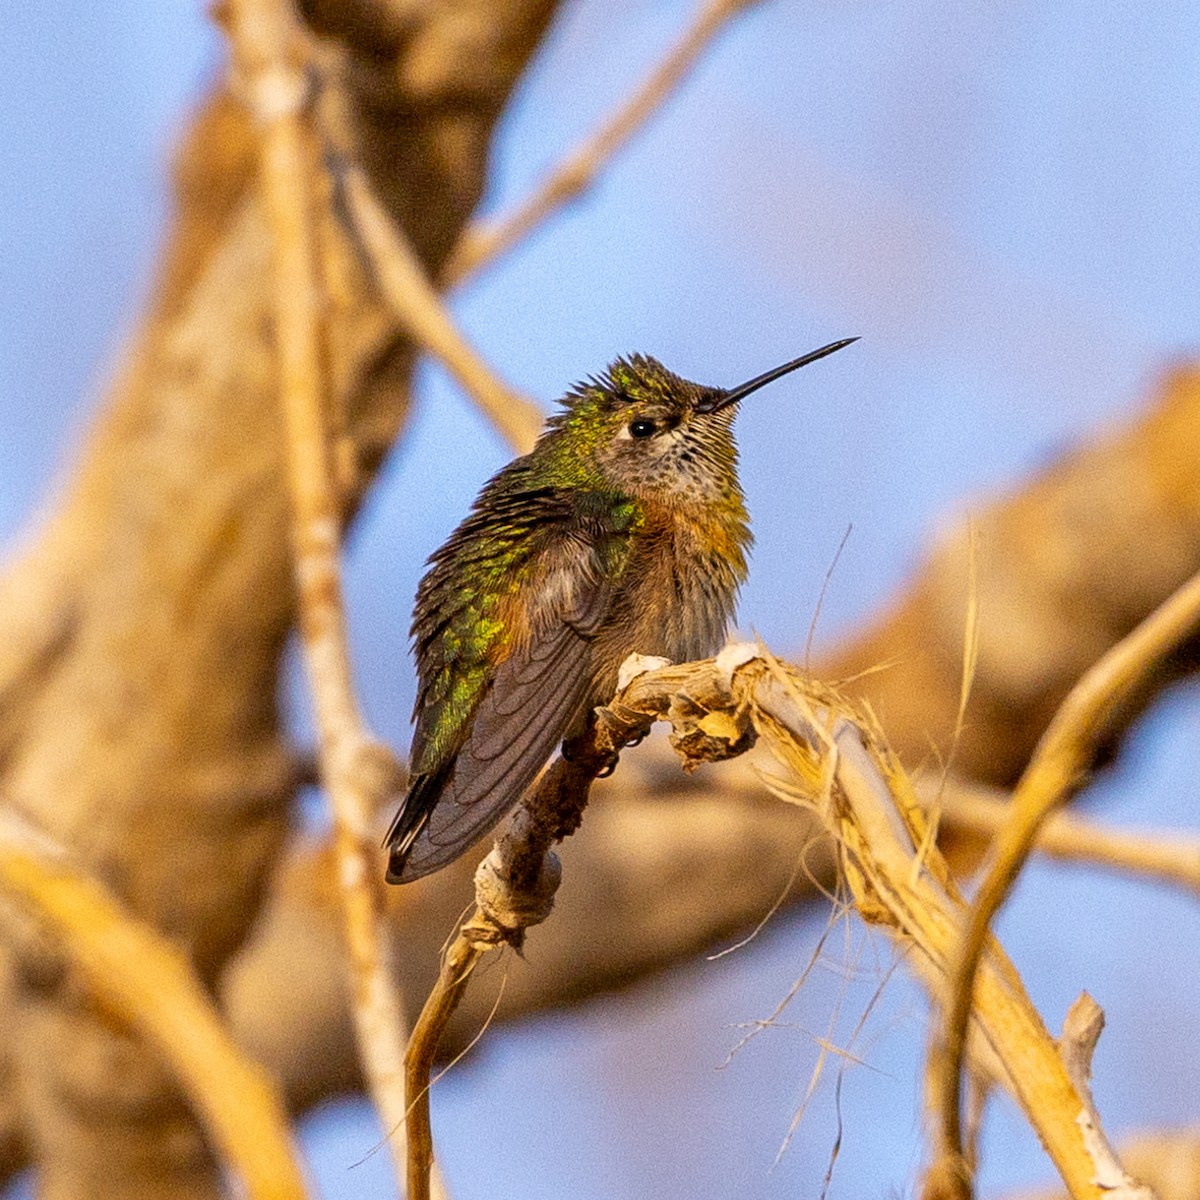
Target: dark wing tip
point(399, 852)
point(412, 818)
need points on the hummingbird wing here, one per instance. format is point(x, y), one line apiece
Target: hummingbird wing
point(538, 693)
point(505, 670)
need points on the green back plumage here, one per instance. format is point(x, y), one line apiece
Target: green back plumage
point(469, 604)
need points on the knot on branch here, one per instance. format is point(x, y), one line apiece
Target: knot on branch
point(509, 908)
point(700, 734)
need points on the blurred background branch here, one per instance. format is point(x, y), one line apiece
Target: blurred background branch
point(164, 573)
point(144, 618)
point(483, 243)
point(135, 976)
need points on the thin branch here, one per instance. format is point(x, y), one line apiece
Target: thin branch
point(514, 890)
point(484, 242)
point(269, 55)
point(150, 986)
point(1169, 857)
point(427, 1033)
point(417, 306)
point(1054, 774)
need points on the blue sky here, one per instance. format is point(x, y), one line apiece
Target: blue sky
point(1001, 201)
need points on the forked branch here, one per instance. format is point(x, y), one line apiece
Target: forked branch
point(417, 306)
point(836, 766)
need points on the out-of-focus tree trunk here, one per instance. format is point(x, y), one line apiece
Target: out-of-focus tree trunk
point(1067, 565)
point(141, 632)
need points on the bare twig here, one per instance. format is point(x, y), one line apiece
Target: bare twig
point(268, 53)
point(417, 306)
point(1082, 1027)
point(1170, 857)
point(483, 243)
point(151, 987)
point(514, 889)
point(1053, 775)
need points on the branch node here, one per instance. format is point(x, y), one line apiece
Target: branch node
point(638, 664)
point(507, 911)
point(1082, 1027)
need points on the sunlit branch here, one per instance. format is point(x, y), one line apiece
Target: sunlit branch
point(268, 53)
point(1054, 774)
point(484, 242)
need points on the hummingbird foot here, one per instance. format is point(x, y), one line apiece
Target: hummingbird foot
point(608, 766)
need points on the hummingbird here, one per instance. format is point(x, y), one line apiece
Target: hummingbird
point(624, 530)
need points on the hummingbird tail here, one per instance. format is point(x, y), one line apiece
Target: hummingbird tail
point(410, 821)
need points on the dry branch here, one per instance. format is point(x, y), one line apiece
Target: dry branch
point(150, 988)
point(893, 868)
point(1056, 771)
point(896, 874)
point(485, 242)
point(419, 309)
point(1168, 1160)
point(1081, 1031)
point(514, 890)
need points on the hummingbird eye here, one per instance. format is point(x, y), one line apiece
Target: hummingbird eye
point(642, 427)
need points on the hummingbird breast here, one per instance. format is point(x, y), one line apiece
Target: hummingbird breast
point(676, 594)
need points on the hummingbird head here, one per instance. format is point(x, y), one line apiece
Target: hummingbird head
point(653, 434)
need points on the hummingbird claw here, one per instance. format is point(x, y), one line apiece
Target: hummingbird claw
point(637, 739)
point(608, 768)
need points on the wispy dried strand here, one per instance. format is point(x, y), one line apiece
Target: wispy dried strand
point(485, 242)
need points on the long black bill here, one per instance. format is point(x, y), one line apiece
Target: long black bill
point(724, 399)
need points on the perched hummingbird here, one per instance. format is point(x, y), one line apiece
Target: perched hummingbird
point(623, 530)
